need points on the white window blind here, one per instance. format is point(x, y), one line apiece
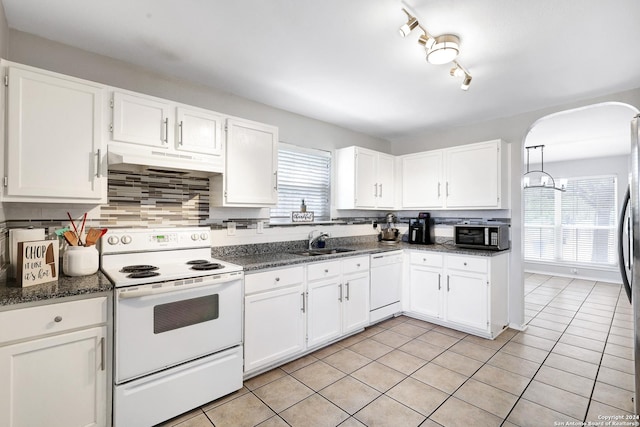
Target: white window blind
point(577, 226)
point(303, 173)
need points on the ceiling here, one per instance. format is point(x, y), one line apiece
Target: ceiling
point(595, 131)
point(343, 62)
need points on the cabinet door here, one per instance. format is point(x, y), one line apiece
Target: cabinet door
point(365, 180)
point(273, 326)
point(422, 180)
point(355, 302)
point(54, 138)
point(199, 131)
point(472, 176)
point(467, 299)
point(324, 321)
point(58, 381)
point(385, 181)
point(425, 288)
point(251, 163)
point(141, 120)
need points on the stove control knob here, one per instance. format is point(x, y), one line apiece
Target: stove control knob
point(126, 240)
point(204, 236)
point(194, 236)
point(113, 240)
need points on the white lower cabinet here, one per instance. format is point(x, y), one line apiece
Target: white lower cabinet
point(289, 311)
point(425, 284)
point(463, 292)
point(274, 316)
point(53, 373)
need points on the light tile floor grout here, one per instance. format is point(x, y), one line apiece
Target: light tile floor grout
point(406, 372)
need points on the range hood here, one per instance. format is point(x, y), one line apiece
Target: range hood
point(138, 158)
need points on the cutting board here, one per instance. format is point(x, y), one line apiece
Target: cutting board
point(37, 262)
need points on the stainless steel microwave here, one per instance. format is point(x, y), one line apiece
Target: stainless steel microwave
point(482, 236)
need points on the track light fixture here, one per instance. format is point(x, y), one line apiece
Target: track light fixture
point(440, 49)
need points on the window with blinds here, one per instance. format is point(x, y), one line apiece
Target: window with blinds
point(303, 174)
point(577, 226)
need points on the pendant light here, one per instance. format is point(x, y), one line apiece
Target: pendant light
point(539, 178)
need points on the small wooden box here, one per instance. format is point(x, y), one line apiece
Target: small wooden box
point(37, 262)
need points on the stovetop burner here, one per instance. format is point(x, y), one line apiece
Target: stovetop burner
point(139, 268)
point(143, 274)
point(207, 266)
point(198, 262)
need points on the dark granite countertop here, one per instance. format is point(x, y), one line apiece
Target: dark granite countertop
point(279, 258)
point(65, 286)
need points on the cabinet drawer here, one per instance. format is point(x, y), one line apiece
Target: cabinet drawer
point(355, 265)
point(429, 259)
point(466, 263)
point(272, 279)
point(31, 322)
point(323, 270)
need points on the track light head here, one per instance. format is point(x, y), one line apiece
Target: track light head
point(466, 82)
point(426, 41)
point(409, 26)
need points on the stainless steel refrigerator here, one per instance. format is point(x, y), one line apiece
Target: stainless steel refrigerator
point(628, 240)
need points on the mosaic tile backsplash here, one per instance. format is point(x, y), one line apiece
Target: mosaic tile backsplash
point(155, 199)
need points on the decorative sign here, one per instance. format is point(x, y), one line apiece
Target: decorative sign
point(37, 262)
point(301, 216)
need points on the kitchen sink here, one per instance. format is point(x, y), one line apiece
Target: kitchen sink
point(327, 251)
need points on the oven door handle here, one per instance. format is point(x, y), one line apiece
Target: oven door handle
point(147, 290)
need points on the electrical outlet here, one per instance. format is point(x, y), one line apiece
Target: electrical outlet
point(260, 227)
point(231, 229)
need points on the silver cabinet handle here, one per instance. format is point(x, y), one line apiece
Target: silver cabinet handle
point(166, 130)
point(447, 189)
point(375, 193)
point(99, 163)
point(347, 286)
point(447, 283)
point(102, 354)
point(57, 319)
point(276, 185)
point(438, 190)
point(340, 297)
point(438, 281)
point(180, 132)
point(380, 190)
point(304, 308)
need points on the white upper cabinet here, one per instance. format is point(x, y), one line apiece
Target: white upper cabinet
point(148, 130)
point(422, 176)
point(475, 176)
point(54, 146)
point(250, 178)
point(472, 176)
point(365, 179)
point(139, 119)
point(199, 131)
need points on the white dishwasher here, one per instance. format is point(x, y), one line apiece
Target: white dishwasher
point(386, 285)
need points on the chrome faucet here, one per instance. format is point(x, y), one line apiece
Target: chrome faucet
point(313, 240)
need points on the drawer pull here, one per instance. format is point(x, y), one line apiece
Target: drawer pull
point(57, 319)
point(465, 263)
point(358, 265)
point(277, 279)
point(326, 270)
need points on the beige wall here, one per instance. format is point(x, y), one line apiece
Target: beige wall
point(294, 129)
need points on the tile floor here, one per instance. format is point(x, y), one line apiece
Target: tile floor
point(572, 363)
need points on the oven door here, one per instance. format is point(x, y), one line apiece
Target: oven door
point(164, 324)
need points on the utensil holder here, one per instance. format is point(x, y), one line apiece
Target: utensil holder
point(80, 261)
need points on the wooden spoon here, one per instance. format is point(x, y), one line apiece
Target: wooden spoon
point(94, 234)
point(71, 238)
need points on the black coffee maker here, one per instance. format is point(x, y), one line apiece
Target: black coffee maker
point(421, 229)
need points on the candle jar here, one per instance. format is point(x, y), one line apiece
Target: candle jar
point(80, 261)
